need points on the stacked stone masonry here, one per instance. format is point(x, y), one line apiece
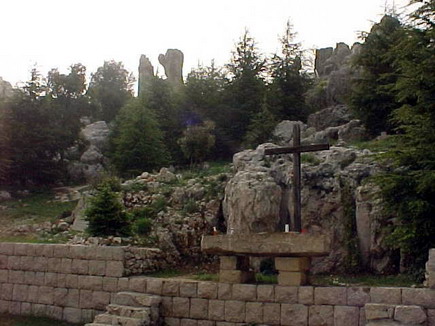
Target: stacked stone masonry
point(430, 269)
point(67, 282)
point(75, 283)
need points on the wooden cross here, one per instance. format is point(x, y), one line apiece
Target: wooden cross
point(296, 149)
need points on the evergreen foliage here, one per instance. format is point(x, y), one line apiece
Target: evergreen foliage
point(136, 141)
point(260, 128)
point(110, 88)
point(373, 94)
point(197, 142)
point(409, 192)
point(106, 215)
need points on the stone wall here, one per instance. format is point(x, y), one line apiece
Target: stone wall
point(68, 282)
point(430, 269)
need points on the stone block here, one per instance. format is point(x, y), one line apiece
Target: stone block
point(254, 313)
point(3, 262)
point(358, 296)
point(86, 299)
point(137, 284)
point(271, 313)
point(244, 292)
point(114, 268)
point(66, 265)
point(188, 289)
point(45, 250)
point(6, 292)
point(292, 264)
point(216, 310)
point(61, 280)
point(16, 277)
point(50, 279)
point(53, 265)
point(235, 311)
point(54, 312)
point(72, 281)
point(7, 248)
point(321, 315)
point(166, 307)
point(292, 278)
point(188, 322)
point(104, 253)
point(33, 294)
point(375, 311)
point(123, 284)
point(431, 279)
point(14, 262)
point(330, 296)
point(420, 297)
point(46, 295)
point(15, 308)
point(29, 278)
point(72, 315)
point(110, 284)
point(94, 283)
point(20, 292)
point(61, 251)
point(265, 293)
point(4, 276)
point(77, 252)
point(206, 323)
point(26, 308)
point(39, 310)
point(172, 321)
point(306, 295)
point(386, 295)
point(235, 276)
point(27, 263)
point(198, 308)
point(170, 288)
point(294, 315)
point(39, 278)
point(207, 290)
point(154, 286)
point(345, 316)
point(117, 253)
point(20, 249)
point(181, 307)
point(431, 317)
point(91, 252)
point(362, 316)
point(97, 267)
point(40, 264)
point(4, 306)
point(410, 314)
point(234, 262)
point(100, 299)
point(73, 298)
point(286, 294)
point(81, 267)
point(59, 296)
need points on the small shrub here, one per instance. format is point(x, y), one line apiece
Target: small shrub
point(190, 207)
point(142, 226)
point(160, 204)
point(310, 158)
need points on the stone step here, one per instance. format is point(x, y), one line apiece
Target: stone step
point(121, 321)
point(134, 299)
point(128, 311)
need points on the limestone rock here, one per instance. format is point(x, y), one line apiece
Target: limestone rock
point(252, 203)
point(146, 73)
point(96, 134)
point(172, 61)
point(330, 117)
point(6, 90)
point(5, 195)
point(92, 156)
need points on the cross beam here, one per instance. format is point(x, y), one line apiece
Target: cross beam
point(296, 150)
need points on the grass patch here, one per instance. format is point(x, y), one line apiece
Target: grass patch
point(375, 145)
point(9, 320)
point(38, 207)
point(266, 279)
point(310, 159)
point(166, 273)
point(401, 280)
point(206, 277)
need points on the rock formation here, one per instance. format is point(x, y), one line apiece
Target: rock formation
point(172, 61)
point(146, 73)
point(89, 164)
point(6, 89)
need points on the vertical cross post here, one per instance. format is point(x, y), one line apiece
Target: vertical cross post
point(297, 180)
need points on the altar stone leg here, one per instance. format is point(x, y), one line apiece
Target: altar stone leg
point(292, 270)
point(235, 269)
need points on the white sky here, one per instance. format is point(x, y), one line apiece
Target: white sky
point(58, 33)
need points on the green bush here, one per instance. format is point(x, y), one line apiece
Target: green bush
point(106, 215)
point(190, 207)
point(142, 226)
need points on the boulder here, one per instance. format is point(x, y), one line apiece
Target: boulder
point(5, 195)
point(6, 90)
point(172, 61)
point(146, 73)
point(96, 134)
point(333, 116)
point(92, 156)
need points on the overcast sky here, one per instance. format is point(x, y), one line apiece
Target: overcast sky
point(58, 33)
